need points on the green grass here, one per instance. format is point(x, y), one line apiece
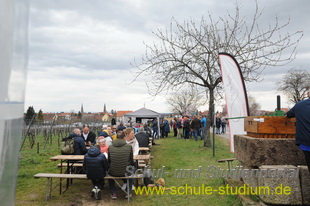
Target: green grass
point(171, 153)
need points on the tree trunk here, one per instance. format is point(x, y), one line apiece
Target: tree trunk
point(207, 140)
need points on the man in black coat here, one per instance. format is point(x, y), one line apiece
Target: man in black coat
point(96, 166)
point(186, 127)
point(89, 136)
point(142, 137)
point(218, 123)
point(195, 126)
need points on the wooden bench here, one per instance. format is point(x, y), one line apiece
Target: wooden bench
point(142, 164)
point(71, 165)
point(144, 150)
point(50, 176)
point(228, 160)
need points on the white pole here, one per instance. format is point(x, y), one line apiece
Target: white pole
point(158, 127)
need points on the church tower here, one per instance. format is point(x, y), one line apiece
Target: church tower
point(82, 109)
point(104, 109)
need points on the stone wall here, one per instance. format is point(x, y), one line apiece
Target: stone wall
point(255, 152)
point(275, 154)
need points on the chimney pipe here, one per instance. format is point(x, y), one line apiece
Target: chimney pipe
point(278, 102)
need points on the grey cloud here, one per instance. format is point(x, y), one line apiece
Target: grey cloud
point(50, 48)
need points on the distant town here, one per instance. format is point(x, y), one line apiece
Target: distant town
point(77, 118)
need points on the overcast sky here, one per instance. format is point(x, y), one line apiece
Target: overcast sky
point(80, 51)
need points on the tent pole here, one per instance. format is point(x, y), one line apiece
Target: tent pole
point(158, 127)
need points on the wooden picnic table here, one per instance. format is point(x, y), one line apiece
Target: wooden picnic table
point(72, 158)
point(69, 159)
point(81, 157)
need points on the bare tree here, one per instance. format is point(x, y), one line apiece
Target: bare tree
point(224, 110)
point(185, 101)
point(254, 107)
point(295, 84)
point(188, 52)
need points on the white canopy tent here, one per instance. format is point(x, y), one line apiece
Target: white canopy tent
point(144, 113)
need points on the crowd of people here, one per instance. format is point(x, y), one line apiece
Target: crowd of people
point(189, 127)
point(110, 152)
point(113, 148)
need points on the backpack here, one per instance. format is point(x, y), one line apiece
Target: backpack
point(67, 146)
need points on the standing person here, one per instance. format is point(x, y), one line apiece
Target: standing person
point(120, 156)
point(113, 121)
point(223, 124)
point(136, 127)
point(190, 132)
point(96, 165)
point(218, 124)
point(301, 111)
point(166, 128)
point(195, 126)
point(186, 127)
point(155, 129)
point(204, 126)
point(174, 126)
point(179, 128)
point(162, 128)
point(89, 136)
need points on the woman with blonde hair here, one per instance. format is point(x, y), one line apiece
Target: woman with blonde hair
point(131, 140)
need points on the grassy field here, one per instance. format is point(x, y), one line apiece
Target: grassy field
point(174, 154)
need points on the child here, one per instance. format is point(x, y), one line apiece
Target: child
point(96, 165)
point(102, 144)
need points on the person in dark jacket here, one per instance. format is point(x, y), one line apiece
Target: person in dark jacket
point(218, 123)
point(174, 126)
point(147, 129)
point(301, 111)
point(186, 127)
point(95, 165)
point(79, 143)
point(142, 137)
point(120, 156)
point(166, 128)
point(155, 129)
point(89, 136)
point(121, 127)
point(195, 127)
